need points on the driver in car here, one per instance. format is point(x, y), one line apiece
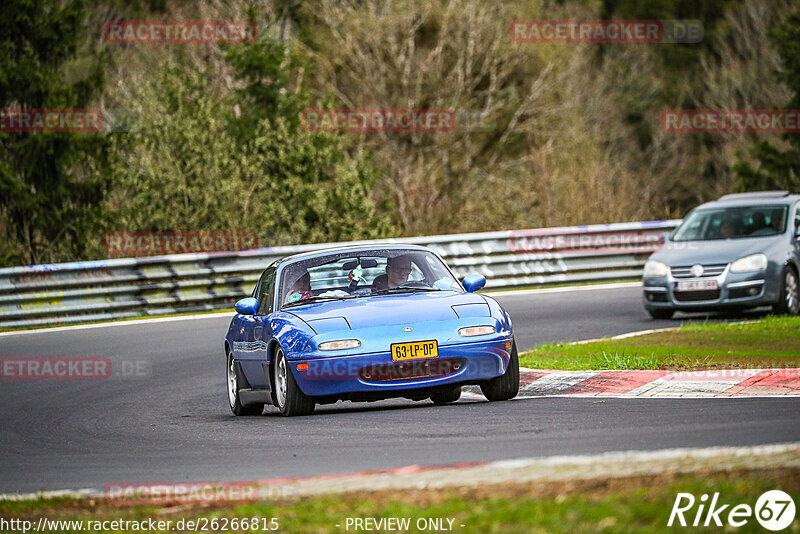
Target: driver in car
point(776, 220)
point(398, 269)
point(727, 229)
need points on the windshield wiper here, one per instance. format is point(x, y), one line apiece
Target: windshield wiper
point(389, 290)
point(316, 298)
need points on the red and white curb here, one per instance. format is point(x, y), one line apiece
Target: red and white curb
point(655, 383)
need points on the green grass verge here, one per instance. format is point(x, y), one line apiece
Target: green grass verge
point(769, 342)
point(608, 505)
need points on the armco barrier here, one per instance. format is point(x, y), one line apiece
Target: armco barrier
point(126, 287)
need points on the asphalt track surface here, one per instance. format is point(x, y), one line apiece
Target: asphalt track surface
point(174, 425)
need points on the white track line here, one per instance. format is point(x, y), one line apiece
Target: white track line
point(566, 289)
point(120, 323)
point(646, 332)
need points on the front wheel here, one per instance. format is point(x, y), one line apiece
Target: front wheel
point(233, 381)
point(288, 397)
point(788, 300)
point(505, 386)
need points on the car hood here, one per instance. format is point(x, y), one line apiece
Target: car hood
point(711, 252)
point(387, 310)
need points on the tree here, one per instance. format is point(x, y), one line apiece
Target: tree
point(50, 194)
point(776, 168)
point(198, 159)
point(262, 70)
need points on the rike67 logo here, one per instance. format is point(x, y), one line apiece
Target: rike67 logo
point(774, 510)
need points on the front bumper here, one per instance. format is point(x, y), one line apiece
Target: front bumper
point(736, 291)
point(461, 363)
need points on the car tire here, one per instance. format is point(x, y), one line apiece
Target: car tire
point(446, 396)
point(505, 386)
point(789, 297)
point(288, 397)
point(234, 379)
point(661, 314)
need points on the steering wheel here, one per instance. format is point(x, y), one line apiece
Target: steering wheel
point(415, 283)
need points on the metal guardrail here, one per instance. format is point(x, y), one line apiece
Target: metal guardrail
point(126, 287)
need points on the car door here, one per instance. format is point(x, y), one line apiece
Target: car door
point(796, 233)
point(244, 327)
point(257, 363)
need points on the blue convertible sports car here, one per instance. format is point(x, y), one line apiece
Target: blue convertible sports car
point(363, 324)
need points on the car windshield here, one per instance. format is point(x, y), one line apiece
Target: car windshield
point(344, 275)
point(732, 223)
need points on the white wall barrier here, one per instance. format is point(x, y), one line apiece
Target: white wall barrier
point(127, 287)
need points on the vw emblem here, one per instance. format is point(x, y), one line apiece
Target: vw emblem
point(697, 270)
point(408, 328)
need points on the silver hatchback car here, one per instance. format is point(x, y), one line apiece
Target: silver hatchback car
point(740, 251)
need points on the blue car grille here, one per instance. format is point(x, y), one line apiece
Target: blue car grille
point(685, 271)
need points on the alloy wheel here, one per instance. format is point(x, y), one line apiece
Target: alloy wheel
point(280, 379)
point(233, 383)
point(792, 301)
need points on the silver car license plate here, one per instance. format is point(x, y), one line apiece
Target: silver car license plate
point(696, 285)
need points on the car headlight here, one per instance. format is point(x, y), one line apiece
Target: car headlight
point(750, 264)
point(653, 269)
point(340, 345)
point(476, 331)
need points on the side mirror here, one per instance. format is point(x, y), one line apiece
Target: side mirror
point(248, 306)
point(474, 282)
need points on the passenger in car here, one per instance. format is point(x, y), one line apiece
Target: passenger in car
point(776, 220)
point(300, 289)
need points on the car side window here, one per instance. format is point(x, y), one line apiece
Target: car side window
point(797, 220)
point(266, 292)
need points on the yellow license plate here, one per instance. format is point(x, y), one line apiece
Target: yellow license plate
point(414, 351)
